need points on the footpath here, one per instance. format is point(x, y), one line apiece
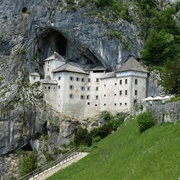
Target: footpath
point(63, 164)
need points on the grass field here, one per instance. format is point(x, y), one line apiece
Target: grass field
point(127, 154)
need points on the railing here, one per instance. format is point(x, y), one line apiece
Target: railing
point(65, 157)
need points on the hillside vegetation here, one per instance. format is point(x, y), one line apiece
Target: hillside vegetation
point(128, 154)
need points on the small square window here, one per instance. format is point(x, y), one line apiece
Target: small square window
point(126, 81)
point(114, 94)
point(71, 96)
point(71, 78)
point(88, 103)
point(49, 87)
point(115, 104)
point(95, 104)
point(126, 92)
point(59, 78)
point(135, 92)
point(82, 88)
point(120, 93)
point(71, 87)
point(115, 84)
point(89, 79)
point(104, 104)
point(120, 104)
point(136, 81)
point(104, 85)
point(104, 95)
point(97, 88)
point(88, 96)
point(77, 78)
point(82, 79)
point(82, 97)
point(34, 78)
point(59, 87)
point(125, 104)
point(97, 79)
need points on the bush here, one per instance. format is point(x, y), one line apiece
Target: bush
point(28, 164)
point(107, 117)
point(102, 131)
point(145, 121)
point(82, 137)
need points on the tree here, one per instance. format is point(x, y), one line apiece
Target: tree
point(171, 77)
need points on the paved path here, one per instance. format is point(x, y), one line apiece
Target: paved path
point(53, 170)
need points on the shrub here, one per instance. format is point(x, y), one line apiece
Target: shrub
point(145, 121)
point(28, 164)
point(102, 131)
point(107, 117)
point(82, 137)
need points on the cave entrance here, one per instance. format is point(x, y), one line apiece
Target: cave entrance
point(51, 41)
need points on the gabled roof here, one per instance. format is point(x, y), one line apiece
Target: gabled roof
point(55, 56)
point(109, 75)
point(132, 65)
point(47, 81)
point(92, 67)
point(34, 74)
point(69, 68)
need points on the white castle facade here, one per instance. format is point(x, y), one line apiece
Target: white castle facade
point(86, 91)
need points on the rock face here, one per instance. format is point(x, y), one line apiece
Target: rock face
point(30, 32)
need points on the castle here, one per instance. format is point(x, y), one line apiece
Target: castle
point(84, 91)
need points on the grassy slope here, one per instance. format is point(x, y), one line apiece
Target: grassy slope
point(127, 154)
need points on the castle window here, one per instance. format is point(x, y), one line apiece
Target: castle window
point(88, 88)
point(82, 79)
point(125, 104)
point(89, 79)
point(45, 87)
point(71, 78)
point(97, 79)
point(34, 78)
point(88, 96)
point(71, 96)
point(126, 92)
point(136, 81)
point(135, 92)
point(104, 95)
point(104, 85)
point(114, 94)
point(59, 87)
point(120, 93)
point(95, 104)
point(59, 78)
point(104, 104)
point(71, 87)
point(97, 88)
point(77, 78)
point(120, 104)
point(54, 87)
point(115, 84)
point(115, 104)
point(97, 97)
point(48, 62)
point(49, 87)
point(120, 81)
point(125, 81)
point(82, 97)
point(88, 103)
point(82, 88)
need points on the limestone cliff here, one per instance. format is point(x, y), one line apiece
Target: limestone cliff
point(30, 32)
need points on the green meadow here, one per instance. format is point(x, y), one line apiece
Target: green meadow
point(127, 154)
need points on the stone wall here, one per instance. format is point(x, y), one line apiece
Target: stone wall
point(169, 112)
